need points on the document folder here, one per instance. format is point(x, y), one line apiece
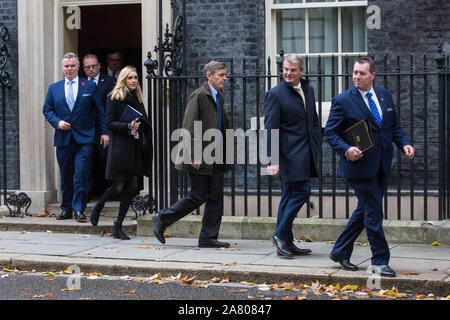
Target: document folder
point(359, 135)
point(129, 114)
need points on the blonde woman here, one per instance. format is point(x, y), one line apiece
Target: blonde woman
point(130, 148)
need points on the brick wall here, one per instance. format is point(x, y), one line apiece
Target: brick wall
point(8, 18)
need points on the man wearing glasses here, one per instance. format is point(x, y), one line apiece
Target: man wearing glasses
point(114, 61)
point(105, 84)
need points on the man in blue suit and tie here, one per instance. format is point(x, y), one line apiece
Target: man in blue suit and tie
point(69, 107)
point(290, 108)
point(366, 172)
point(105, 84)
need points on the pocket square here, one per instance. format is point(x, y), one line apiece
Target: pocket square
point(87, 94)
point(389, 109)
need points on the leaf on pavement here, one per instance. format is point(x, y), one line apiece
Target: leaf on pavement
point(407, 273)
point(228, 263)
point(435, 244)
point(190, 280)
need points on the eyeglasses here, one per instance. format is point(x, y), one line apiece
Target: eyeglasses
point(95, 66)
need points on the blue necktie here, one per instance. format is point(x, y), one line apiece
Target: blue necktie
point(70, 98)
point(219, 118)
point(374, 109)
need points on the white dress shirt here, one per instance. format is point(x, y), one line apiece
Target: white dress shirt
point(96, 78)
point(74, 88)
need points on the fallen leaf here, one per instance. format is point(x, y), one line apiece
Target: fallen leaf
point(143, 247)
point(226, 279)
point(132, 291)
point(435, 269)
point(105, 234)
point(233, 249)
point(215, 280)
point(238, 291)
point(115, 251)
point(350, 287)
point(166, 235)
point(228, 263)
point(190, 280)
point(155, 276)
point(435, 243)
point(43, 214)
point(407, 273)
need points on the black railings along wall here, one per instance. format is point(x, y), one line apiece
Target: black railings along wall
point(418, 189)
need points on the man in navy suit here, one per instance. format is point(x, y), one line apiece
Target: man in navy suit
point(69, 108)
point(366, 172)
point(105, 85)
point(290, 108)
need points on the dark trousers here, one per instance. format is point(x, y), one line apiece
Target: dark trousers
point(369, 215)
point(74, 164)
point(206, 190)
point(293, 196)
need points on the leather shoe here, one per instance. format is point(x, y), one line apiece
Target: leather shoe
point(64, 215)
point(79, 215)
point(345, 263)
point(212, 243)
point(283, 249)
point(384, 270)
point(158, 228)
point(297, 251)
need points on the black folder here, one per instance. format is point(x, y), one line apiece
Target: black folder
point(359, 135)
point(129, 114)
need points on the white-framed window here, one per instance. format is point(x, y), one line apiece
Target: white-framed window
point(313, 28)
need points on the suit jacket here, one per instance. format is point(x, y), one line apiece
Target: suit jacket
point(299, 130)
point(105, 86)
point(201, 106)
point(348, 108)
point(81, 118)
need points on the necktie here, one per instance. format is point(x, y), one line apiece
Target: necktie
point(70, 97)
point(373, 108)
point(300, 91)
point(219, 116)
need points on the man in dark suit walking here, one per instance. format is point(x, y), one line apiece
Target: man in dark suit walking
point(205, 106)
point(69, 108)
point(105, 85)
point(366, 172)
point(290, 108)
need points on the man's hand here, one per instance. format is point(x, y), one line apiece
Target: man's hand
point(62, 125)
point(273, 170)
point(354, 154)
point(409, 152)
point(196, 164)
point(104, 141)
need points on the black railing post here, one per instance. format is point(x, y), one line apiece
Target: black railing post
point(5, 83)
point(440, 63)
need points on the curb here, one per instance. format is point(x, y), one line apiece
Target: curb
point(237, 273)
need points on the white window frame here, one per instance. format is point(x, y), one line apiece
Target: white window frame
point(271, 38)
point(271, 30)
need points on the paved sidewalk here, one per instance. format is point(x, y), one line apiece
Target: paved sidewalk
point(420, 268)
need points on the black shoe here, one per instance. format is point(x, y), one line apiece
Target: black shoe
point(158, 228)
point(345, 263)
point(95, 213)
point(283, 249)
point(383, 270)
point(64, 215)
point(212, 243)
point(297, 251)
point(79, 215)
point(118, 232)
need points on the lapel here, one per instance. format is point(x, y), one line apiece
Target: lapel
point(294, 92)
point(80, 92)
point(362, 105)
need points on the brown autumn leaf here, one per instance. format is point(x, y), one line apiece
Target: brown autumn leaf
point(238, 291)
point(143, 247)
point(190, 280)
point(132, 291)
point(228, 263)
point(226, 279)
point(105, 234)
point(215, 280)
point(43, 214)
point(408, 273)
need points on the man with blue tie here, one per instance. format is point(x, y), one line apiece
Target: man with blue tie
point(69, 107)
point(366, 172)
point(205, 106)
point(290, 107)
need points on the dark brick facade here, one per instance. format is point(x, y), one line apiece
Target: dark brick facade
point(8, 19)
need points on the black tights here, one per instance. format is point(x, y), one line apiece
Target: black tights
point(127, 190)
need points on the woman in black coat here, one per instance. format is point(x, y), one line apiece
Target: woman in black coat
point(130, 147)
